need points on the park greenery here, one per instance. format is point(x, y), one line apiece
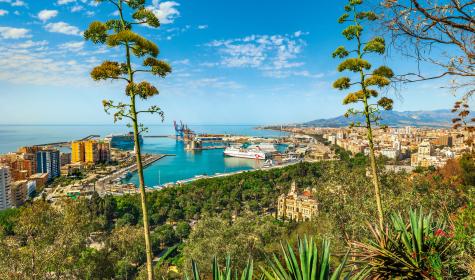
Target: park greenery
point(234, 218)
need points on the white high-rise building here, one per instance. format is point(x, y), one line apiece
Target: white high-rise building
point(5, 187)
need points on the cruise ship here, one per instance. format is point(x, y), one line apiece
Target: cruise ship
point(123, 141)
point(254, 153)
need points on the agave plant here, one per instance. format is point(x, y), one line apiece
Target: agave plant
point(226, 274)
point(420, 249)
point(310, 263)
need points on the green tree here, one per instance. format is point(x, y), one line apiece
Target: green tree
point(364, 80)
point(182, 230)
point(118, 32)
point(248, 237)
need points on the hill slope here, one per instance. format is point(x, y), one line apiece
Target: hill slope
point(436, 118)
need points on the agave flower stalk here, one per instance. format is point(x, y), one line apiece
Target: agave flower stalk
point(365, 81)
point(118, 33)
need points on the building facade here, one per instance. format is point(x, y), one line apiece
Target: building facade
point(48, 161)
point(297, 207)
point(19, 192)
point(77, 152)
point(5, 187)
point(90, 152)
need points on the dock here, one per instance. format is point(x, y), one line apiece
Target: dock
point(64, 143)
point(207, 148)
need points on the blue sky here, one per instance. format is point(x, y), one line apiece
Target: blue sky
point(234, 62)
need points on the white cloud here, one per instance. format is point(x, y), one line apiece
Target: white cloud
point(166, 11)
point(93, 3)
point(18, 3)
point(3, 12)
point(33, 63)
point(272, 54)
point(185, 61)
point(76, 8)
point(63, 27)
point(72, 46)
point(45, 15)
point(64, 2)
point(13, 33)
point(204, 26)
point(29, 44)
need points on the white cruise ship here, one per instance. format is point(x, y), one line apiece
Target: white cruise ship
point(245, 153)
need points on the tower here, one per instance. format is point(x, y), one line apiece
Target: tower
point(5, 187)
point(48, 161)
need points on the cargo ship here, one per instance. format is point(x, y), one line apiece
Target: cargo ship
point(253, 153)
point(123, 141)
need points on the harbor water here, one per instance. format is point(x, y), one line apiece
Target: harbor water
point(183, 165)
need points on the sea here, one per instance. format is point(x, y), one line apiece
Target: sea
point(182, 165)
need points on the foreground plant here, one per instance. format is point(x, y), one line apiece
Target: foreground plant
point(118, 33)
point(308, 263)
point(419, 249)
point(365, 81)
point(226, 274)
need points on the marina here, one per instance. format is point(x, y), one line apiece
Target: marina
point(173, 162)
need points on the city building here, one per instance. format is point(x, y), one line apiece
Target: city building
point(77, 152)
point(40, 180)
point(297, 207)
point(90, 152)
point(5, 187)
point(104, 152)
point(65, 158)
point(19, 192)
point(48, 161)
point(31, 187)
point(72, 169)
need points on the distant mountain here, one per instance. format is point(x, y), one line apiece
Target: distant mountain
point(436, 118)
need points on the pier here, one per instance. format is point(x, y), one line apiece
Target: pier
point(67, 143)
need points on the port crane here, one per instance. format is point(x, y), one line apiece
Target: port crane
point(183, 132)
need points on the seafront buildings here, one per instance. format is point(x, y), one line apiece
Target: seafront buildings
point(48, 161)
point(409, 146)
point(90, 152)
